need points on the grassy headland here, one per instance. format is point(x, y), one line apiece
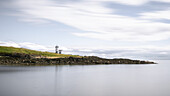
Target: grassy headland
point(12, 50)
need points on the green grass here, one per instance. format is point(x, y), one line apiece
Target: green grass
point(11, 50)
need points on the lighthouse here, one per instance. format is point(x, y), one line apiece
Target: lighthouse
point(56, 49)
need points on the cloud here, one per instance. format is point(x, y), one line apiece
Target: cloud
point(135, 2)
point(27, 45)
point(99, 21)
point(156, 15)
point(13, 44)
point(95, 19)
point(147, 52)
point(127, 2)
point(134, 11)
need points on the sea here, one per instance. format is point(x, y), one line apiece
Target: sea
point(86, 80)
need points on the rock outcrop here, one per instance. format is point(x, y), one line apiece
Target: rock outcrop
point(24, 59)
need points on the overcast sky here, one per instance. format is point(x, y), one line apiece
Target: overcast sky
point(137, 29)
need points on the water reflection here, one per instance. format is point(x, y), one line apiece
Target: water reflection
point(24, 68)
point(86, 80)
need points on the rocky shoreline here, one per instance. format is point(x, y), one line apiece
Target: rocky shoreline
point(87, 60)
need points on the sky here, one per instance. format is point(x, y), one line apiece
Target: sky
point(136, 29)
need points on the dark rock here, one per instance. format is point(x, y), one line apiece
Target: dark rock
point(24, 59)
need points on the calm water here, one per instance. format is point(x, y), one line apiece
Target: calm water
point(86, 80)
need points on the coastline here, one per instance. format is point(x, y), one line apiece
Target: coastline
point(87, 60)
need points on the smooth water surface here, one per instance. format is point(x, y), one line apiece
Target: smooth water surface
point(86, 80)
